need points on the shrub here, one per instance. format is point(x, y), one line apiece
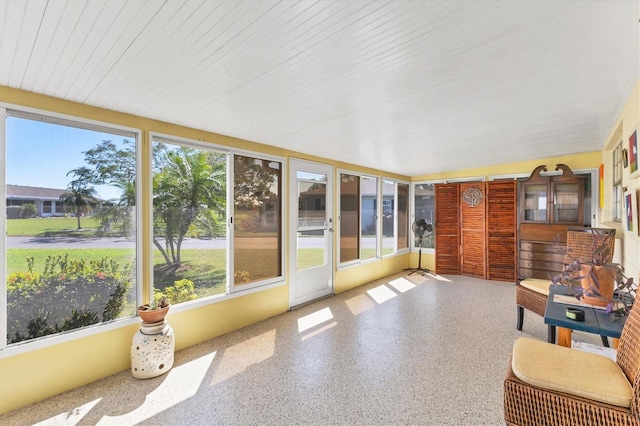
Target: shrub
point(241, 277)
point(69, 294)
point(14, 212)
point(28, 210)
point(181, 291)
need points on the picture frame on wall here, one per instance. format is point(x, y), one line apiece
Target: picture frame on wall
point(634, 162)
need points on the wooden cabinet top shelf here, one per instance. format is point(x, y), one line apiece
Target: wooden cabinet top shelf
point(552, 198)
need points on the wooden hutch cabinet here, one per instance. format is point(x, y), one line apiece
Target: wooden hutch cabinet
point(548, 205)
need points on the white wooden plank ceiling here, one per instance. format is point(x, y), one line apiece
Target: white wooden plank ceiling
point(411, 87)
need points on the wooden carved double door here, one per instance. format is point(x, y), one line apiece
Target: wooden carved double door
point(476, 229)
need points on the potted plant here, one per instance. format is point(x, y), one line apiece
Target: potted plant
point(155, 311)
point(591, 275)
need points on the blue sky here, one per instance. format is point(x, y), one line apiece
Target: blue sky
point(41, 154)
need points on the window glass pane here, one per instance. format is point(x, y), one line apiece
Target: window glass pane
point(403, 216)
point(369, 218)
point(310, 246)
point(535, 202)
point(312, 215)
point(617, 203)
point(566, 203)
point(349, 220)
point(312, 200)
point(189, 222)
point(424, 204)
point(71, 227)
point(388, 216)
point(617, 163)
point(257, 247)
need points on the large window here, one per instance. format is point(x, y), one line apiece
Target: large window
point(616, 211)
point(395, 210)
point(403, 216)
point(257, 221)
point(349, 218)
point(189, 221)
point(70, 211)
point(424, 208)
point(70, 217)
point(388, 216)
point(368, 217)
point(202, 247)
point(360, 210)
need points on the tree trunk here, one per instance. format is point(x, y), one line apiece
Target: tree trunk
point(78, 217)
point(162, 251)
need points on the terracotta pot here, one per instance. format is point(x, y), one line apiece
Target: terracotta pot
point(155, 315)
point(606, 283)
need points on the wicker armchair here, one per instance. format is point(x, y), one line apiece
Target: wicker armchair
point(531, 294)
point(527, 404)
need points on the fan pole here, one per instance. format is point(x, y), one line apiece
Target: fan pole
point(419, 268)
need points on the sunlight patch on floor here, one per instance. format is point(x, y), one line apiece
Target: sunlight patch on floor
point(243, 355)
point(359, 304)
point(181, 383)
point(402, 284)
point(316, 318)
point(381, 293)
point(70, 418)
point(439, 277)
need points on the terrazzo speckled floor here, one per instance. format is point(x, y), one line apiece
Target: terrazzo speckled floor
point(402, 350)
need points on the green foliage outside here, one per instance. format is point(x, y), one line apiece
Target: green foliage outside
point(28, 210)
point(182, 291)
point(66, 295)
point(205, 268)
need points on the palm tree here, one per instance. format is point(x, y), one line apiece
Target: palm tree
point(81, 197)
point(187, 186)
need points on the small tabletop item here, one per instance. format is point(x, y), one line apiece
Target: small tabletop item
point(575, 314)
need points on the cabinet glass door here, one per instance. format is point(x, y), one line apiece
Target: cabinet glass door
point(535, 202)
point(566, 203)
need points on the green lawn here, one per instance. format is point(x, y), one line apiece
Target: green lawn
point(17, 258)
point(54, 227)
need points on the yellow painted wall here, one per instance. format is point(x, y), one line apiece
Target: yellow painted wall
point(357, 275)
point(625, 125)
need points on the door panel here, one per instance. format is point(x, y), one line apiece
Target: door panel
point(472, 232)
point(501, 230)
point(311, 231)
point(447, 229)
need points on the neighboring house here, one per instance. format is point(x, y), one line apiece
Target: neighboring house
point(46, 200)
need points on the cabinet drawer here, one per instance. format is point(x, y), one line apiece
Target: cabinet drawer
point(547, 257)
point(552, 267)
point(540, 247)
point(535, 273)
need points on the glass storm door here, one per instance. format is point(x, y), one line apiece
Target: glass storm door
point(311, 233)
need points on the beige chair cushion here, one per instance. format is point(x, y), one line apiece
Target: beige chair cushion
point(570, 371)
point(534, 284)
